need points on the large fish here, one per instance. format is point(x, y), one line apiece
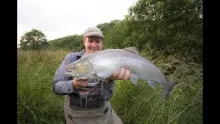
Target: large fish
point(102, 64)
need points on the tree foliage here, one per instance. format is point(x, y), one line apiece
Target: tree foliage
point(73, 42)
point(172, 26)
point(33, 40)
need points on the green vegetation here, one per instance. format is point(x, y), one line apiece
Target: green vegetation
point(36, 102)
point(33, 40)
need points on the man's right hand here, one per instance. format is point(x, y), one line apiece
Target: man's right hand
point(78, 83)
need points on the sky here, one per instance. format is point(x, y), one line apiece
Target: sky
point(59, 18)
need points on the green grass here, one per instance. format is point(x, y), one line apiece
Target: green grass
point(141, 104)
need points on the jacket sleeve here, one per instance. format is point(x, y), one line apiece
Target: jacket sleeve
point(63, 84)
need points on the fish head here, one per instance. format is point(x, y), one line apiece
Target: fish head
point(81, 69)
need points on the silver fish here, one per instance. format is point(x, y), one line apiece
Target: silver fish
point(102, 64)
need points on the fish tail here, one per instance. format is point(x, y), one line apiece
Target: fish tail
point(168, 88)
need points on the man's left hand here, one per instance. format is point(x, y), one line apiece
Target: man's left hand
point(123, 75)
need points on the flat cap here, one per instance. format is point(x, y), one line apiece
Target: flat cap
point(93, 31)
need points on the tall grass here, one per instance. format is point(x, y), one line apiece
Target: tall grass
point(36, 102)
point(141, 104)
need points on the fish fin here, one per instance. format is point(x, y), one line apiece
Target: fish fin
point(133, 79)
point(132, 50)
point(153, 84)
point(168, 88)
point(98, 77)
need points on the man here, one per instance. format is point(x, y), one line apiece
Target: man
point(84, 104)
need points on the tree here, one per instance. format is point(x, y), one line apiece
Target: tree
point(171, 26)
point(33, 40)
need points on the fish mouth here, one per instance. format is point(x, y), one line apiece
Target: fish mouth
point(77, 76)
point(69, 73)
point(67, 67)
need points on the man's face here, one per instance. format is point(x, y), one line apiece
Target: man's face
point(92, 44)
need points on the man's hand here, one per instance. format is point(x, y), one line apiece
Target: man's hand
point(123, 75)
point(77, 83)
